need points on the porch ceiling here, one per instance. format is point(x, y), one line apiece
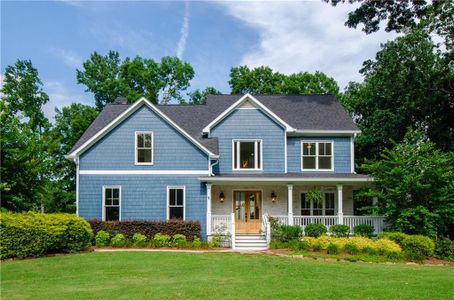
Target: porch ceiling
point(288, 178)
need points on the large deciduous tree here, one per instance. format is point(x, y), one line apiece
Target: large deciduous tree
point(263, 80)
point(415, 186)
point(108, 77)
point(407, 84)
point(200, 96)
point(26, 164)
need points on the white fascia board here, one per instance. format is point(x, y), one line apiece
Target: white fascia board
point(237, 104)
point(144, 172)
point(316, 132)
point(270, 179)
point(123, 116)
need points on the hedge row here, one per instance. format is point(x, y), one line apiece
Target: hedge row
point(148, 228)
point(416, 247)
point(32, 234)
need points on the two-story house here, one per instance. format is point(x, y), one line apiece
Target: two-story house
point(229, 164)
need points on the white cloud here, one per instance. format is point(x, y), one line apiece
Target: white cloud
point(59, 96)
point(69, 58)
point(306, 36)
point(184, 32)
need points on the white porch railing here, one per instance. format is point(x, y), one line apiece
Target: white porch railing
point(221, 224)
point(377, 221)
point(328, 221)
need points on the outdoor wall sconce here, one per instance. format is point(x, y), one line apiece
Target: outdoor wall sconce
point(273, 197)
point(221, 197)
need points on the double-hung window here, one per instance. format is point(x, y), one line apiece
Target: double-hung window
point(247, 155)
point(111, 203)
point(317, 156)
point(176, 201)
point(326, 207)
point(144, 148)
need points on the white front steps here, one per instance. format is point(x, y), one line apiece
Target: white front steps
point(250, 242)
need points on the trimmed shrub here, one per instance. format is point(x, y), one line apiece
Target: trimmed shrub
point(119, 240)
point(362, 243)
point(32, 234)
point(315, 230)
point(388, 248)
point(102, 238)
point(161, 240)
point(444, 249)
point(215, 241)
point(286, 233)
point(351, 248)
point(418, 247)
point(196, 242)
point(340, 230)
point(363, 230)
point(139, 239)
point(333, 249)
point(397, 237)
point(179, 240)
point(148, 228)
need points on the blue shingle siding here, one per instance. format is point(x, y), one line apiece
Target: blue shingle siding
point(172, 151)
point(251, 124)
point(143, 197)
point(342, 157)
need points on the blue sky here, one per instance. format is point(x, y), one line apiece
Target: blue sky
point(211, 36)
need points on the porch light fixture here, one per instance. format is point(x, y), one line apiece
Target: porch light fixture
point(273, 197)
point(221, 197)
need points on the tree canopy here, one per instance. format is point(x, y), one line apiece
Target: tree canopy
point(263, 80)
point(108, 77)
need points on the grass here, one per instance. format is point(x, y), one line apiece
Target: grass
point(145, 275)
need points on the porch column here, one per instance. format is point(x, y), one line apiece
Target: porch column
point(208, 209)
point(340, 213)
point(290, 203)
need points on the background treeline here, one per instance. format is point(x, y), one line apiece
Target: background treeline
point(404, 107)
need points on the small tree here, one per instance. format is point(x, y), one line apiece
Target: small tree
point(414, 184)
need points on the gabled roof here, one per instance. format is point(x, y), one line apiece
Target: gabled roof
point(312, 114)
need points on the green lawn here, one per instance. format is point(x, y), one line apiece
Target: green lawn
point(142, 275)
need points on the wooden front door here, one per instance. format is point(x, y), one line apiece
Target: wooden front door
point(248, 211)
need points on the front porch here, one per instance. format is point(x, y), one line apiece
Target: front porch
point(245, 207)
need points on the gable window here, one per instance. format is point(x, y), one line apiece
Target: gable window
point(247, 154)
point(111, 203)
point(317, 156)
point(324, 208)
point(176, 200)
point(144, 147)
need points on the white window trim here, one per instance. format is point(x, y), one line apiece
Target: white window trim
point(135, 148)
point(236, 168)
point(317, 155)
point(104, 187)
point(311, 210)
point(169, 187)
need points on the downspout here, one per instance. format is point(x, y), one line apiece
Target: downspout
point(212, 165)
point(76, 160)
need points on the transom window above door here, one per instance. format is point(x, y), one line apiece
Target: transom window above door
point(317, 156)
point(247, 154)
point(144, 148)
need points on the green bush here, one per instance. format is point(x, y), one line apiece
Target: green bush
point(196, 242)
point(119, 240)
point(278, 245)
point(161, 240)
point(397, 237)
point(333, 249)
point(340, 230)
point(179, 240)
point(102, 238)
point(139, 239)
point(444, 249)
point(351, 248)
point(363, 230)
point(315, 230)
point(215, 241)
point(286, 233)
point(418, 247)
point(32, 234)
point(296, 245)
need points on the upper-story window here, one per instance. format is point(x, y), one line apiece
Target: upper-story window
point(247, 154)
point(317, 156)
point(144, 148)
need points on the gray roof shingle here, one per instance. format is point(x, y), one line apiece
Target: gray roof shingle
point(312, 112)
